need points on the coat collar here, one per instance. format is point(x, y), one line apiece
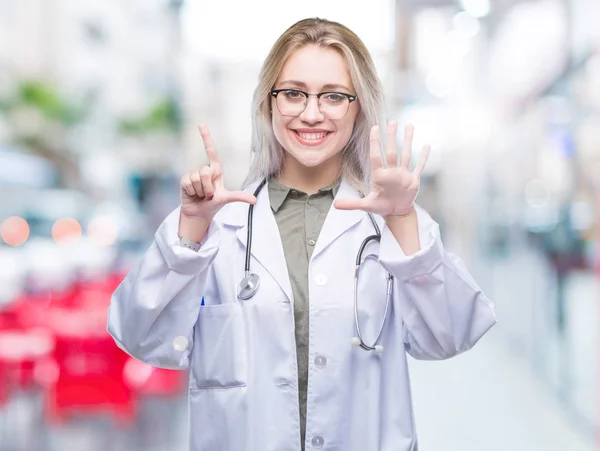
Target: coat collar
point(338, 221)
point(278, 193)
point(267, 247)
point(236, 214)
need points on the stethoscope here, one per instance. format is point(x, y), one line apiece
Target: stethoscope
point(249, 285)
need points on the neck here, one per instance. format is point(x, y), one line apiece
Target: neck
point(309, 180)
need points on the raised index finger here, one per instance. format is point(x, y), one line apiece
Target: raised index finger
point(209, 145)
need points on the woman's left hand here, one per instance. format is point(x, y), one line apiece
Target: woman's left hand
point(394, 187)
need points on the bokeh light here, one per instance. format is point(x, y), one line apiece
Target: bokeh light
point(66, 230)
point(14, 231)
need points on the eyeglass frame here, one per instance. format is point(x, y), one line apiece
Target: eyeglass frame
point(351, 98)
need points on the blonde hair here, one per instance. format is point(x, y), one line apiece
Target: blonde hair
point(267, 152)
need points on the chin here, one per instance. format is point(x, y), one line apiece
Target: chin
point(311, 158)
point(311, 163)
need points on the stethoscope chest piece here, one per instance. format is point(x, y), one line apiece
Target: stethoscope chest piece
point(248, 286)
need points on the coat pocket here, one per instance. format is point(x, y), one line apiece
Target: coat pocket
point(219, 359)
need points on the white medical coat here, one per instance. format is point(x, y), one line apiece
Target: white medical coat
point(242, 354)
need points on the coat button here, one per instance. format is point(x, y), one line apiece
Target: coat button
point(321, 279)
point(311, 242)
point(320, 361)
point(180, 343)
point(317, 442)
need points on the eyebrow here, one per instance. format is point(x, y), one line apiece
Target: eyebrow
point(325, 87)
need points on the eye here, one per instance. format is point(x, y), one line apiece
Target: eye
point(293, 94)
point(334, 97)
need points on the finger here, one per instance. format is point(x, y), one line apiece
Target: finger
point(209, 145)
point(374, 150)
point(217, 171)
point(390, 150)
point(404, 158)
point(197, 184)
point(186, 185)
point(206, 175)
point(422, 160)
point(352, 204)
point(240, 196)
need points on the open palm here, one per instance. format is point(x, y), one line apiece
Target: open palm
point(394, 186)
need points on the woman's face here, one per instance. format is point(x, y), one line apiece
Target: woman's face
point(310, 137)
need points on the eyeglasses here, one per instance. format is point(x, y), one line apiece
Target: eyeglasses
point(332, 105)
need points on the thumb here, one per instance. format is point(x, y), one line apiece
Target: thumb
point(351, 204)
point(240, 196)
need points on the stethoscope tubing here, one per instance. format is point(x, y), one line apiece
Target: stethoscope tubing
point(252, 281)
point(249, 229)
point(388, 294)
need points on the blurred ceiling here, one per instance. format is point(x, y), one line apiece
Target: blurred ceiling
point(497, 7)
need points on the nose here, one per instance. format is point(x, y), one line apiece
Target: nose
point(312, 114)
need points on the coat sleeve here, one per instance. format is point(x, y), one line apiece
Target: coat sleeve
point(443, 309)
point(153, 312)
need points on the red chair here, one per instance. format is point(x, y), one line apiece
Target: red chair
point(90, 368)
point(20, 352)
point(80, 367)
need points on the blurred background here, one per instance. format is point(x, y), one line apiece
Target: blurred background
point(99, 103)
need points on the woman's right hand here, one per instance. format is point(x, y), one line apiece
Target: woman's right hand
point(203, 193)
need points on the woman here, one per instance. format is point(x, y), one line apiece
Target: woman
point(275, 369)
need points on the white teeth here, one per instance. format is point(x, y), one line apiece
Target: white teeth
point(314, 136)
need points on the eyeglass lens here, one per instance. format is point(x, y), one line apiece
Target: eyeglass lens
point(332, 105)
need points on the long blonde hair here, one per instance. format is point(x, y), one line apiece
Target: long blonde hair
point(267, 152)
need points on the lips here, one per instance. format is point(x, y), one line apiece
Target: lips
point(311, 137)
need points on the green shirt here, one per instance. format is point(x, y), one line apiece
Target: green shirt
point(300, 218)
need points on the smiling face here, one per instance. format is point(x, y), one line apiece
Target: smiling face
point(310, 139)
